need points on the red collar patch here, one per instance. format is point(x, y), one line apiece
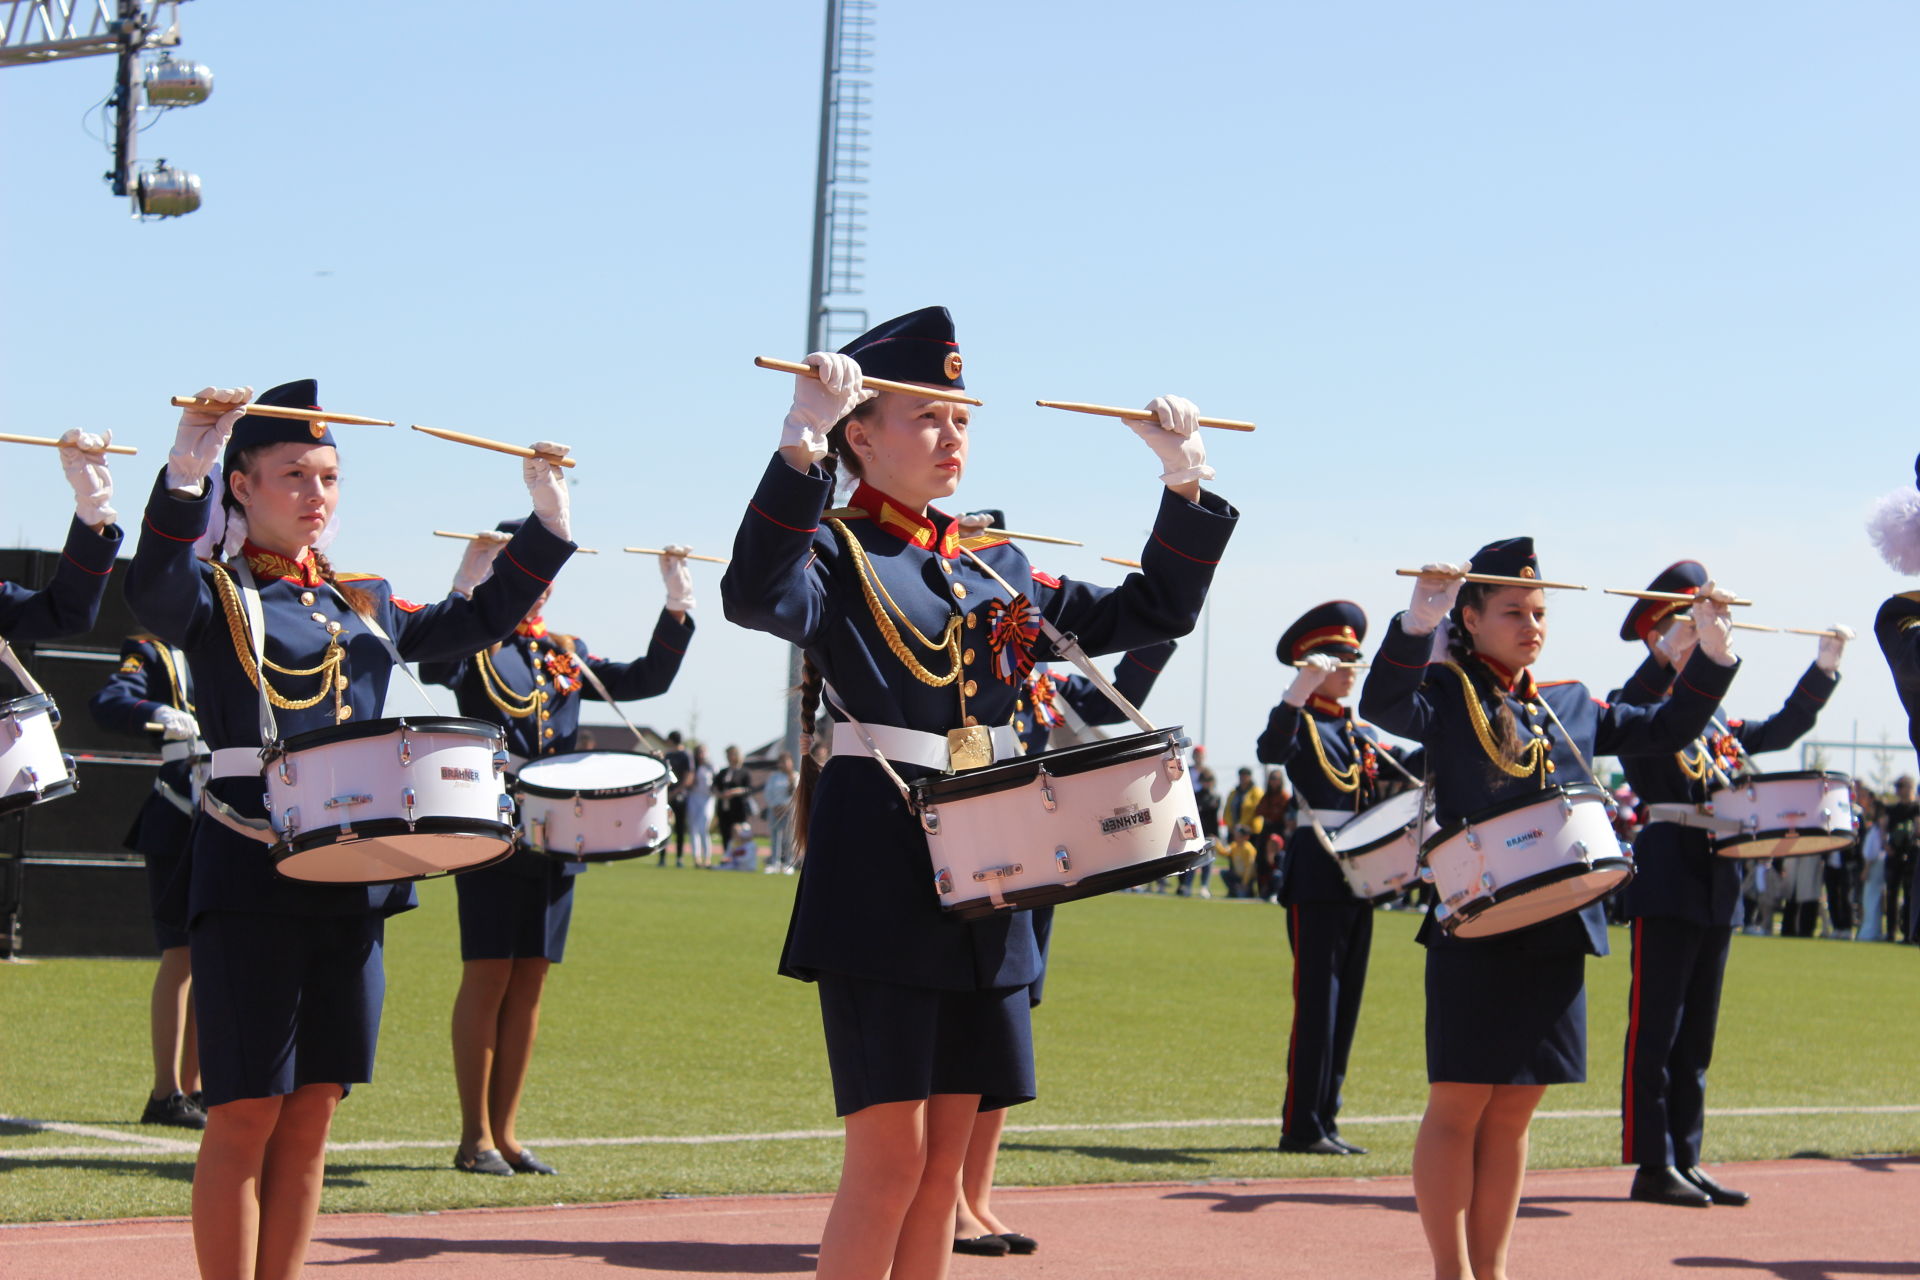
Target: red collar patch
point(271, 564)
point(1326, 706)
point(909, 526)
point(533, 628)
point(1518, 683)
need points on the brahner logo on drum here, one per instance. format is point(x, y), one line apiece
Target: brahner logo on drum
point(1525, 837)
point(450, 774)
point(1123, 819)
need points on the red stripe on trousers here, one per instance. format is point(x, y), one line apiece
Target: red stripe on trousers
point(1633, 1046)
point(1293, 1032)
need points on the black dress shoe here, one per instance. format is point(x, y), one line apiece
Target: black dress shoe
point(489, 1162)
point(1017, 1243)
point(987, 1246)
point(1715, 1192)
point(1318, 1147)
point(174, 1109)
point(1662, 1184)
point(527, 1162)
point(1352, 1150)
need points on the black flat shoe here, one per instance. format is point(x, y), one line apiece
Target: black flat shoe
point(488, 1162)
point(983, 1246)
point(1017, 1243)
point(1318, 1147)
point(1664, 1185)
point(1715, 1192)
point(174, 1109)
point(527, 1162)
point(1352, 1150)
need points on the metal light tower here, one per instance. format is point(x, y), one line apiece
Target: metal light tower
point(839, 212)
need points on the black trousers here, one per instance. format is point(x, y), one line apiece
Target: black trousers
point(1331, 942)
point(1672, 1013)
point(679, 809)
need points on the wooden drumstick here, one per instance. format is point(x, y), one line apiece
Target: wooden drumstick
point(1804, 631)
point(1029, 537)
point(1138, 415)
point(474, 537)
point(872, 384)
point(1738, 626)
point(1497, 580)
point(481, 442)
point(1674, 597)
point(279, 411)
point(655, 551)
point(1130, 564)
point(126, 449)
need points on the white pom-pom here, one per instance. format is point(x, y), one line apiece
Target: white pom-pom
point(1894, 527)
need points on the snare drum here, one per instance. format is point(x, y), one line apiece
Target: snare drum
point(594, 806)
point(389, 800)
point(32, 768)
point(1783, 814)
point(1540, 855)
point(1061, 825)
point(1379, 849)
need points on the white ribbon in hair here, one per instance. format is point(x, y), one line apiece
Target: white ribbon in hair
point(227, 526)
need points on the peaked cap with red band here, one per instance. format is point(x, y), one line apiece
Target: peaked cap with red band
point(1684, 576)
point(916, 347)
point(1335, 628)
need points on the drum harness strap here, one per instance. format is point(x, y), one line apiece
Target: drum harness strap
point(586, 670)
point(1692, 815)
point(1317, 817)
point(19, 670)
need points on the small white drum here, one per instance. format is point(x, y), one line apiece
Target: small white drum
point(1379, 849)
point(389, 800)
point(1061, 825)
point(594, 806)
point(1540, 855)
point(32, 768)
point(1783, 814)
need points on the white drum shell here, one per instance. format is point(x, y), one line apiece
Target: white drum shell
point(1558, 833)
point(1104, 819)
point(401, 777)
point(30, 760)
point(1380, 848)
point(1785, 815)
point(587, 825)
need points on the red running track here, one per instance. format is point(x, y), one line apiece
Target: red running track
point(1810, 1220)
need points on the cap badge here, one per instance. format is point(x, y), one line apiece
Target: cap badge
point(1526, 571)
point(952, 365)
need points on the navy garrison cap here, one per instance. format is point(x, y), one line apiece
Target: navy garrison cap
point(510, 526)
point(254, 429)
point(1685, 576)
point(1508, 558)
point(1335, 628)
point(916, 347)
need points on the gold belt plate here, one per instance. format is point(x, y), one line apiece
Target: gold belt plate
point(969, 748)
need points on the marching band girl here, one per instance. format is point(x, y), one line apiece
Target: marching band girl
point(288, 975)
point(919, 652)
point(514, 916)
point(1506, 1014)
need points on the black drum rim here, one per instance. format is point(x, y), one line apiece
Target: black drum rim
point(29, 798)
point(518, 785)
point(1011, 775)
point(1722, 845)
point(1794, 775)
point(1093, 886)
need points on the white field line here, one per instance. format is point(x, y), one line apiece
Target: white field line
point(173, 1146)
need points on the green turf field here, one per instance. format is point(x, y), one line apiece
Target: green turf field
point(667, 1020)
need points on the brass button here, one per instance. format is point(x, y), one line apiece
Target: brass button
point(545, 714)
point(539, 679)
point(319, 617)
point(972, 720)
point(345, 712)
point(972, 622)
point(959, 591)
point(546, 733)
point(1019, 704)
point(1021, 725)
point(1538, 732)
point(306, 598)
point(1550, 768)
point(1532, 709)
point(971, 688)
point(967, 656)
point(333, 628)
point(946, 566)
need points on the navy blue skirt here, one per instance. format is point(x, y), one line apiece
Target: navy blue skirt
point(285, 1001)
point(160, 834)
point(1500, 1016)
point(893, 1043)
point(520, 909)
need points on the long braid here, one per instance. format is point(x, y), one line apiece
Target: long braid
point(357, 600)
point(811, 683)
point(1473, 595)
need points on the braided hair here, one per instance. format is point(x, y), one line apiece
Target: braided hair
point(1473, 595)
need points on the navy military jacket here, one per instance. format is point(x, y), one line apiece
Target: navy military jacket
point(175, 595)
point(1897, 628)
point(532, 659)
point(148, 678)
point(1428, 704)
point(70, 603)
point(1036, 716)
point(1310, 873)
point(1676, 872)
point(866, 905)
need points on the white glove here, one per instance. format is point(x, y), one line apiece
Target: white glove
point(1678, 642)
point(679, 578)
point(1831, 647)
point(477, 564)
point(1434, 592)
point(1174, 437)
point(1314, 670)
point(176, 725)
point(1715, 628)
point(819, 403)
point(202, 436)
point(83, 456)
point(548, 485)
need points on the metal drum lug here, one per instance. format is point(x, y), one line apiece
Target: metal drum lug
point(13, 726)
point(287, 770)
point(293, 822)
point(579, 807)
point(406, 749)
point(504, 807)
point(1442, 912)
point(1566, 807)
point(1189, 829)
point(930, 821)
point(1486, 881)
point(1473, 838)
point(1175, 765)
point(943, 880)
point(33, 780)
point(537, 833)
point(580, 846)
point(1579, 848)
point(999, 873)
point(406, 798)
point(1060, 857)
point(500, 761)
point(1046, 794)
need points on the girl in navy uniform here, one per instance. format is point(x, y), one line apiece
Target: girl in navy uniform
point(926, 1016)
point(68, 605)
point(1333, 762)
point(1684, 903)
point(1506, 1014)
point(287, 975)
point(514, 916)
point(152, 687)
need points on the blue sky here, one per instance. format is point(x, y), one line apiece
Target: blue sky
point(1637, 279)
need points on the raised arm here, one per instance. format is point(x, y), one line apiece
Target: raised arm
point(774, 583)
point(457, 627)
point(651, 675)
point(1396, 695)
point(71, 602)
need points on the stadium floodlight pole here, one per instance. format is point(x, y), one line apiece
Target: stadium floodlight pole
point(131, 31)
